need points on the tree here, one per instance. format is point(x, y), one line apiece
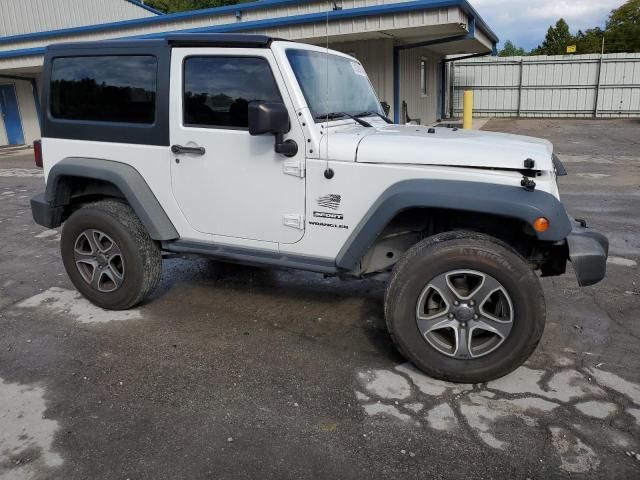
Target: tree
point(510, 50)
point(589, 41)
point(172, 6)
point(556, 40)
point(623, 28)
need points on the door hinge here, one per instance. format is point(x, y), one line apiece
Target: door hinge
point(293, 167)
point(294, 220)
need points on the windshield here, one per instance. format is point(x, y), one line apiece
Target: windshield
point(349, 88)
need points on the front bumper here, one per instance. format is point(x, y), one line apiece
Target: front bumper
point(588, 251)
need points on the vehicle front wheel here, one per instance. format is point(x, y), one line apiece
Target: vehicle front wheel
point(464, 307)
point(109, 255)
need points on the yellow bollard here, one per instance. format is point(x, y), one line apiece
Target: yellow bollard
point(467, 110)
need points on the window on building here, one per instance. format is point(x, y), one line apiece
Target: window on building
point(217, 90)
point(424, 77)
point(104, 88)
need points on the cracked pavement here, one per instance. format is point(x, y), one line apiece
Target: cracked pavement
point(237, 372)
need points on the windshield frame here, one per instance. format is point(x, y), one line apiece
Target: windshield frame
point(322, 117)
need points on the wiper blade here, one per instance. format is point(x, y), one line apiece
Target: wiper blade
point(334, 115)
point(368, 114)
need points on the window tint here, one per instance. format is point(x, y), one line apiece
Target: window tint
point(104, 88)
point(217, 90)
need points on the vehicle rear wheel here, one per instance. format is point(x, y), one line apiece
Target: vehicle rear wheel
point(109, 255)
point(464, 307)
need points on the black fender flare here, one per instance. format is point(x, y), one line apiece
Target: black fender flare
point(125, 178)
point(503, 200)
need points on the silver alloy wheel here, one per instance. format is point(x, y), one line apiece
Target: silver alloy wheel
point(99, 260)
point(464, 313)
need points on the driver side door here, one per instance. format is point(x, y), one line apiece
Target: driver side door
point(227, 182)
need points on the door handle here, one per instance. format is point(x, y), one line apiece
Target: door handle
point(177, 149)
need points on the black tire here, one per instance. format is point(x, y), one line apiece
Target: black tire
point(140, 255)
point(451, 251)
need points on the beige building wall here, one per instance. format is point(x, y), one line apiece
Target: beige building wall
point(18, 17)
point(419, 106)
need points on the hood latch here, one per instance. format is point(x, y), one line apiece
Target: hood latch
point(528, 184)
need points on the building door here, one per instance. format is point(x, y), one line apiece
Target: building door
point(235, 184)
point(11, 115)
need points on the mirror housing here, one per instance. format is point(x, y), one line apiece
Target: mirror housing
point(268, 117)
point(273, 118)
point(386, 108)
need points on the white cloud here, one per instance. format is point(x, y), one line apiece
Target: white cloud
point(526, 22)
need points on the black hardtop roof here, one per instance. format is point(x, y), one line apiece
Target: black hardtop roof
point(228, 40)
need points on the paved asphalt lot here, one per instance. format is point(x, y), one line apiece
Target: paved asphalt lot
point(236, 372)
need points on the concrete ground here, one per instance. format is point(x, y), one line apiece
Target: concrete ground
point(234, 372)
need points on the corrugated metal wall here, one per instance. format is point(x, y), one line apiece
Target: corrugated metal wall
point(28, 16)
point(549, 86)
point(419, 106)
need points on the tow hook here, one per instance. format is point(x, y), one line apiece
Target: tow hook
point(528, 184)
point(582, 222)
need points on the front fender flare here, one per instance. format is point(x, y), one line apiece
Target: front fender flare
point(503, 200)
point(126, 178)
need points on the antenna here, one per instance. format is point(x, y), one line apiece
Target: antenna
point(327, 96)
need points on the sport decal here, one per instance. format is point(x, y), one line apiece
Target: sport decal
point(334, 216)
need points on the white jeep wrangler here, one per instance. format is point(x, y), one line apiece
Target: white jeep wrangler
point(261, 151)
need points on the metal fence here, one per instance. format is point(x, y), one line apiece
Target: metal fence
point(548, 86)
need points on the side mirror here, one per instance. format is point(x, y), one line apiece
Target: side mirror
point(273, 118)
point(386, 108)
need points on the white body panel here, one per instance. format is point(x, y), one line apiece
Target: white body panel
point(412, 144)
point(153, 163)
point(238, 188)
point(360, 185)
point(237, 193)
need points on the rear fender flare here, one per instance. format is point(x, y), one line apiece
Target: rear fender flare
point(125, 178)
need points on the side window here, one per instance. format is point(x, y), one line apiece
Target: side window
point(424, 77)
point(217, 90)
point(115, 88)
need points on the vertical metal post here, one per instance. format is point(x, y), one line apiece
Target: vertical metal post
point(520, 87)
point(597, 92)
point(467, 110)
point(443, 88)
point(452, 88)
point(396, 85)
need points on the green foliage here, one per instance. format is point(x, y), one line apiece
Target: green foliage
point(510, 50)
point(556, 41)
point(622, 34)
point(623, 28)
point(589, 41)
point(172, 6)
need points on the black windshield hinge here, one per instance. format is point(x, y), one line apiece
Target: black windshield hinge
point(528, 184)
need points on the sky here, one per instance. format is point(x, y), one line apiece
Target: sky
point(525, 22)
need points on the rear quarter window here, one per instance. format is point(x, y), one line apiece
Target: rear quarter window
point(107, 88)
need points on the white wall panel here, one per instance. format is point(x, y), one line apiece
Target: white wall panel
point(423, 107)
point(28, 16)
point(560, 85)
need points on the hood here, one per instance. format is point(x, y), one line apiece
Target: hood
point(412, 144)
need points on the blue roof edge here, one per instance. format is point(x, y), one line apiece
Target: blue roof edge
point(164, 18)
point(304, 18)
